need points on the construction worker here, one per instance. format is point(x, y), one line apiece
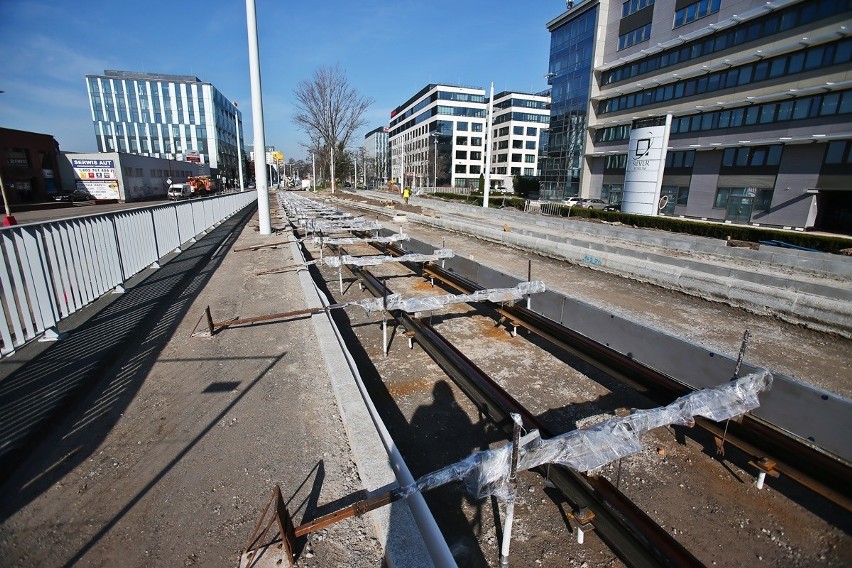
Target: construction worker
point(406, 193)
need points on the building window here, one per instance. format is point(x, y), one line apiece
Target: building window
point(475, 169)
point(476, 155)
point(477, 127)
point(518, 130)
point(529, 171)
point(476, 141)
point(615, 163)
point(695, 11)
point(529, 158)
point(502, 144)
point(517, 157)
point(461, 126)
point(461, 169)
point(530, 145)
point(752, 157)
point(503, 131)
point(611, 192)
point(680, 159)
point(633, 6)
point(461, 140)
point(640, 34)
point(139, 173)
point(461, 154)
point(517, 144)
point(532, 131)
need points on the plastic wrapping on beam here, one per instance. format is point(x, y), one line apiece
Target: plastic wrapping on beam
point(330, 227)
point(431, 303)
point(354, 240)
point(486, 473)
point(336, 261)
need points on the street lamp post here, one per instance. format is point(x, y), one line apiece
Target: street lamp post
point(435, 170)
point(313, 172)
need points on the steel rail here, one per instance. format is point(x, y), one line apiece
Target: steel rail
point(803, 463)
point(630, 533)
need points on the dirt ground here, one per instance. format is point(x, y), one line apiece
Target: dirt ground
point(708, 502)
point(170, 458)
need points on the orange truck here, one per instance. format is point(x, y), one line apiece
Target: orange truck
point(202, 185)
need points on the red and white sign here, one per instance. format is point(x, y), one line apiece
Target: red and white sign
point(193, 157)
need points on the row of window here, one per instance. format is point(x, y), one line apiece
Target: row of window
point(695, 11)
point(838, 152)
point(145, 145)
point(440, 95)
point(817, 57)
point(758, 199)
point(766, 113)
point(522, 117)
point(463, 126)
point(761, 198)
point(640, 34)
point(528, 158)
point(763, 27)
point(474, 141)
point(753, 157)
point(175, 130)
point(632, 6)
point(522, 103)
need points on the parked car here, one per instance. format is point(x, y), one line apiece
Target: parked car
point(613, 207)
point(180, 191)
point(76, 195)
point(594, 204)
point(572, 201)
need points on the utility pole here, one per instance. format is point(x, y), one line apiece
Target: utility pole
point(265, 225)
point(488, 147)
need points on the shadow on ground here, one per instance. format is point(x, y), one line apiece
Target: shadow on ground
point(85, 381)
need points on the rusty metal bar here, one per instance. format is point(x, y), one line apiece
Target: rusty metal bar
point(354, 510)
point(258, 247)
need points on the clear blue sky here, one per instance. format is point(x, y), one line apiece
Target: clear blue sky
point(389, 50)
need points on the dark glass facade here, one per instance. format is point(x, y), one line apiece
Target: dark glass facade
point(570, 77)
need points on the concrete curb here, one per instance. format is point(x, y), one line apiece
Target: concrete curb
point(396, 526)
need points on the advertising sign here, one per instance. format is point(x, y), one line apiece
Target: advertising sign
point(643, 174)
point(94, 169)
point(100, 189)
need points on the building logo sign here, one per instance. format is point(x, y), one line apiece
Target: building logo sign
point(94, 169)
point(643, 173)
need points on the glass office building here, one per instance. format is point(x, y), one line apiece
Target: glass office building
point(177, 117)
point(572, 45)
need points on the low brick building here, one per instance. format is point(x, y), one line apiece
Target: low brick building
point(30, 166)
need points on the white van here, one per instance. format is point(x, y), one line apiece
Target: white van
point(180, 191)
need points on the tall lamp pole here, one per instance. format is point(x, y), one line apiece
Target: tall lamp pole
point(264, 221)
point(435, 169)
point(313, 172)
point(239, 145)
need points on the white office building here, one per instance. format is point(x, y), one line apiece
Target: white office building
point(519, 126)
point(437, 137)
point(176, 117)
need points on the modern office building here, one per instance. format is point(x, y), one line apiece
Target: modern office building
point(376, 153)
point(519, 123)
point(176, 117)
point(438, 136)
point(753, 98)
point(573, 49)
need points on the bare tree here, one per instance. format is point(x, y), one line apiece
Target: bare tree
point(329, 110)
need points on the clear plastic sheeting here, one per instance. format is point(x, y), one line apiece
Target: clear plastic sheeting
point(432, 303)
point(336, 261)
point(486, 473)
point(355, 240)
point(352, 225)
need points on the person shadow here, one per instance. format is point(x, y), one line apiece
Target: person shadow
point(444, 428)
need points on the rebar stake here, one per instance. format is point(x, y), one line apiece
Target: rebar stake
point(513, 491)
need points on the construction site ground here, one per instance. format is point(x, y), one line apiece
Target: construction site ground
point(169, 456)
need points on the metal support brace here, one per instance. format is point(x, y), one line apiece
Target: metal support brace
point(764, 466)
point(582, 518)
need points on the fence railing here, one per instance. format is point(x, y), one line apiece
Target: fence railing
point(50, 270)
point(545, 207)
point(453, 190)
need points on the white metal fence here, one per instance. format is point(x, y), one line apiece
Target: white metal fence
point(51, 270)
